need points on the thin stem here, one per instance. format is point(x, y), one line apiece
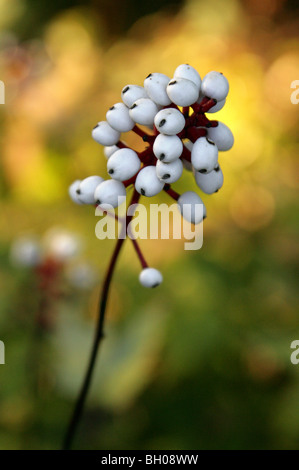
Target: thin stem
point(171, 192)
point(121, 145)
point(144, 135)
point(99, 334)
point(139, 253)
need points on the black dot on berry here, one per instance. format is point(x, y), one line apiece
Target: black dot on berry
point(95, 127)
point(204, 217)
point(173, 82)
point(217, 168)
point(98, 202)
point(162, 156)
point(166, 176)
point(210, 141)
point(202, 171)
point(155, 285)
point(162, 122)
point(78, 191)
point(145, 138)
point(142, 192)
point(111, 172)
point(112, 107)
point(216, 190)
point(149, 75)
point(126, 89)
point(133, 106)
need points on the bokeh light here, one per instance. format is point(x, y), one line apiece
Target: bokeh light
point(203, 362)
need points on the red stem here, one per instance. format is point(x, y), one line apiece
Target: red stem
point(122, 145)
point(99, 334)
point(139, 253)
point(167, 188)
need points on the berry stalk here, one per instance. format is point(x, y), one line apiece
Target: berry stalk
point(99, 334)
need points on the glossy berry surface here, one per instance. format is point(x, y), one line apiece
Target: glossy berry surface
point(177, 136)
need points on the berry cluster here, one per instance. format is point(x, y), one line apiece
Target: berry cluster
point(180, 136)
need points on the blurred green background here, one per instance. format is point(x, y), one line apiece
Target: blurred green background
point(203, 362)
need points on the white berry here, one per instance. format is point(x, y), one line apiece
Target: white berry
point(147, 182)
point(169, 121)
point(192, 207)
point(182, 92)
point(87, 188)
point(169, 172)
point(123, 164)
point(110, 192)
point(204, 155)
point(73, 188)
point(215, 85)
point(155, 85)
point(109, 150)
point(150, 277)
point(211, 182)
point(104, 134)
point(222, 136)
point(167, 148)
point(119, 118)
point(219, 105)
point(132, 93)
point(189, 73)
point(143, 111)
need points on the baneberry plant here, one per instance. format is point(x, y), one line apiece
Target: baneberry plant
point(178, 135)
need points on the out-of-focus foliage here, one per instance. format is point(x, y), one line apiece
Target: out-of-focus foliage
point(204, 361)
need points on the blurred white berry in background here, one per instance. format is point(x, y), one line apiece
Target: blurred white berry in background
point(25, 251)
point(61, 244)
point(81, 275)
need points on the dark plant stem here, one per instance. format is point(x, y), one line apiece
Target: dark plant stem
point(99, 334)
point(139, 253)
